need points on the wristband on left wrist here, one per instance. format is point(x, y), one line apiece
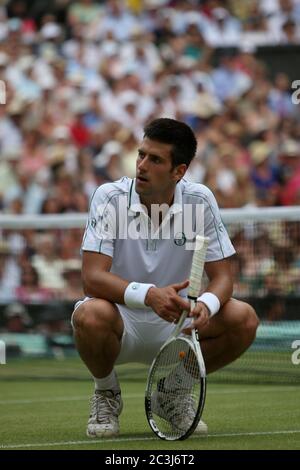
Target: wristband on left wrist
point(211, 301)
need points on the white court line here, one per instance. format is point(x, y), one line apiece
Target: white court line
point(136, 439)
point(140, 395)
point(59, 399)
point(43, 400)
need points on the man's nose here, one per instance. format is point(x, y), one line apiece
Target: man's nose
point(143, 164)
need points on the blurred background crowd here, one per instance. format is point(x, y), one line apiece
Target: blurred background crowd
point(83, 77)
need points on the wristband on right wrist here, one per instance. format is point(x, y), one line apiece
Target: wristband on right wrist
point(135, 294)
point(211, 301)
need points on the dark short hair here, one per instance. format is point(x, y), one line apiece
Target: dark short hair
point(176, 133)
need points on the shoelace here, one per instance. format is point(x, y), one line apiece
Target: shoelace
point(180, 408)
point(103, 406)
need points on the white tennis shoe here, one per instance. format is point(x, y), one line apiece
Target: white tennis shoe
point(178, 410)
point(106, 406)
point(202, 428)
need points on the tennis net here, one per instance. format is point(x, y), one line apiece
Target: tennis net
point(266, 272)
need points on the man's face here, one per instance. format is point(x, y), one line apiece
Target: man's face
point(154, 173)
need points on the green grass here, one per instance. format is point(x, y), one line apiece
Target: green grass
point(52, 413)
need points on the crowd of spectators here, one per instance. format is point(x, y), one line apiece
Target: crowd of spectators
point(83, 77)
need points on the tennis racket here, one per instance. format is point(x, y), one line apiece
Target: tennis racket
point(176, 385)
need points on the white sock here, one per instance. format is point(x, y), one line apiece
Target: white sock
point(179, 377)
point(110, 382)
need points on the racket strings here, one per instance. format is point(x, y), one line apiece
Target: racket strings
point(175, 389)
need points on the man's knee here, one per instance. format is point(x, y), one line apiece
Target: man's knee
point(95, 314)
point(239, 320)
point(248, 321)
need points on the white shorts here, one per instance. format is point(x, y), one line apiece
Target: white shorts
point(144, 333)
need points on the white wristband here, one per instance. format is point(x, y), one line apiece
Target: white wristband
point(135, 294)
point(211, 301)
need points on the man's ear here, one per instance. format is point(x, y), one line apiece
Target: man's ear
point(179, 171)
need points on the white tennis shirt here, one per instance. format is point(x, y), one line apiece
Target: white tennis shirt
point(119, 226)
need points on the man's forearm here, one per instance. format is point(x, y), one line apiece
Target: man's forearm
point(222, 287)
point(220, 279)
point(105, 285)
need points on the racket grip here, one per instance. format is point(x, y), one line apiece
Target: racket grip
point(181, 322)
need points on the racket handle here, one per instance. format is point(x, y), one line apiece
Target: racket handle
point(180, 322)
point(184, 316)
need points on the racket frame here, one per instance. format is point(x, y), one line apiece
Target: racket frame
point(193, 343)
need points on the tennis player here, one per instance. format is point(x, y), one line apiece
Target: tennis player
point(137, 254)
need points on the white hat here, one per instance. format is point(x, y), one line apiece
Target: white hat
point(259, 151)
point(128, 97)
point(50, 31)
point(61, 132)
point(192, 17)
point(109, 149)
point(204, 79)
point(153, 4)
point(109, 48)
point(4, 59)
point(290, 148)
point(204, 106)
point(80, 105)
point(71, 265)
point(186, 63)
point(17, 309)
point(26, 62)
point(16, 106)
point(220, 13)
point(13, 154)
point(14, 24)
point(4, 247)
point(47, 82)
point(112, 147)
point(77, 78)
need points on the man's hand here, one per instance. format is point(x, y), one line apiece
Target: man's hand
point(166, 302)
point(200, 317)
